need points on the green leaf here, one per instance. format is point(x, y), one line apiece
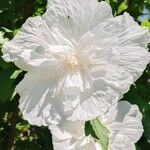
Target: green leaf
point(146, 122)
point(101, 132)
point(7, 83)
point(108, 1)
point(2, 39)
point(123, 6)
point(15, 74)
point(146, 23)
point(138, 148)
point(89, 130)
point(7, 30)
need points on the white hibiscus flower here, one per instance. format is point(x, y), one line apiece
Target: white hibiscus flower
point(79, 60)
point(123, 122)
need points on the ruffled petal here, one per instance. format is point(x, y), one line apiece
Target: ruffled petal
point(123, 120)
point(130, 51)
point(126, 55)
point(122, 143)
point(75, 18)
point(118, 79)
point(70, 86)
point(125, 124)
point(71, 136)
point(94, 104)
point(36, 95)
point(47, 98)
point(132, 128)
point(35, 45)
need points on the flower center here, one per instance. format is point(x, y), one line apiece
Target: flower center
point(72, 62)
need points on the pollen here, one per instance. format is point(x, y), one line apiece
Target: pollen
point(72, 62)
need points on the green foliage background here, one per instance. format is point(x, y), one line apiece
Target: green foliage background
point(16, 133)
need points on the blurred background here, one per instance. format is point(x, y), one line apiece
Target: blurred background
point(16, 133)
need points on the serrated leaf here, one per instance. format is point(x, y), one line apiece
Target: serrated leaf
point(101, 132)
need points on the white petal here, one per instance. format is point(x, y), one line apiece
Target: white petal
point(125, 125)
point(118, 79)
point(133, 59)
point(36, 94)
point(125, 29)
point(72, 85)
point(75, 17)
point(126, 56)
point(133, 128)
point(45, 98)
point(32, 46)
point(122, 143)
point(131, 30)
point(94, 104)
point(71, 136)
